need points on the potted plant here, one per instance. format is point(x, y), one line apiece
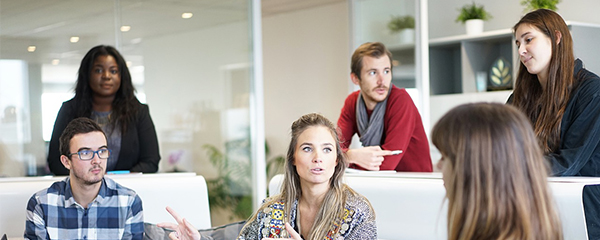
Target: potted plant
point(473, 15)
point(531, 5)
point(404, 26)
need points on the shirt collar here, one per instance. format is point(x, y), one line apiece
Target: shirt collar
point(70, 200)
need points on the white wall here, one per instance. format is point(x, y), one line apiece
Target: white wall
point(186, 89)
point(306, 68)
point(443, 13)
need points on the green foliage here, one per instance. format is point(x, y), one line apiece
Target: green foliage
point(232, 188)
point(398, 23)
point(472, 11)
point(274, 165)
point(531, 5)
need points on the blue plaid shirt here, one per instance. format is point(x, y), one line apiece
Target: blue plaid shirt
point(116, 213)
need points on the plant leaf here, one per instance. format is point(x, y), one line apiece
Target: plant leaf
point(505, 72)
point(505, 80)
point(496, 80)
point(496, 72)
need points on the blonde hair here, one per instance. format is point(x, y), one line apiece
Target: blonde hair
point(497, 188)
point(332, 207)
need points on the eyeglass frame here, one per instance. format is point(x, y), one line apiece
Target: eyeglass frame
point(94, 153)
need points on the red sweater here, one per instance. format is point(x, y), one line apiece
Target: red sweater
point(403, 130)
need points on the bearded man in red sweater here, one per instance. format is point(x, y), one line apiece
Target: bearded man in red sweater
point(384, 117)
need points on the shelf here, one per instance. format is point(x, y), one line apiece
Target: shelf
point(455, 61)
point(489, 35)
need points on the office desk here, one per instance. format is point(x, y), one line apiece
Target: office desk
point(412, 206)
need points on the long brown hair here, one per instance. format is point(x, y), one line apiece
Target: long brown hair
point(332, 207)
point(545, 108)
point(497, 185)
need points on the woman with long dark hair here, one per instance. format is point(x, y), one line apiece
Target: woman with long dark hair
point(562, 100)
point(104, 92)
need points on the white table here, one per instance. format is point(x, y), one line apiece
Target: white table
point(412, 205)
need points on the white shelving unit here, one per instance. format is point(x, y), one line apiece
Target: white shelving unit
point(403, 65)
point(454, 61)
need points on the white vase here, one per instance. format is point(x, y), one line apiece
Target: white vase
point(474, 26)
point(407, 35)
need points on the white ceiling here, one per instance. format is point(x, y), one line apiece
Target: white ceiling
point(48, 24)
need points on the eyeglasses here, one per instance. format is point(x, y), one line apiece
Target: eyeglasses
point(103, 153)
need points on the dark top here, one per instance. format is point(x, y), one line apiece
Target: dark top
point(139, 145)
point(579, 152)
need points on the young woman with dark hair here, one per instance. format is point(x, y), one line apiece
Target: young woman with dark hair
point(562, 100)
point(104, 92)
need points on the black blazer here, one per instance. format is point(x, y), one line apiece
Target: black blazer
point(139, 145)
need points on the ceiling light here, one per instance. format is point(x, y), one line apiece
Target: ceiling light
point(187, 15)
point(31, 48)
point(74, 39)
point(55, 61)
point(129, 63)
point(125, 28)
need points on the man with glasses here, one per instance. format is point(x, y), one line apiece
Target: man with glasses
point(85, 205)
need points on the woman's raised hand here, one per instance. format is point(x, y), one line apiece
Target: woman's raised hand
point(183, 230)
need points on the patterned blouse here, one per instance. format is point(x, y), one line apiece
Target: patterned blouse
point(358, 221)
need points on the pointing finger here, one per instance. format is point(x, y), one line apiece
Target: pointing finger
point(174, 214)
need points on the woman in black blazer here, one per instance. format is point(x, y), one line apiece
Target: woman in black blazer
point(104, 92)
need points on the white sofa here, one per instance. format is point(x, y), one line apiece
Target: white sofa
point(184, 192)
point(412, 206)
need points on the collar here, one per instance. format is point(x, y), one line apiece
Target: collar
point(578, 66)
point(70, 200)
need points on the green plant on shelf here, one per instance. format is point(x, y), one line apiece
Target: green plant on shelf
point(472, 11)
point(531, 5)
point(399, 23)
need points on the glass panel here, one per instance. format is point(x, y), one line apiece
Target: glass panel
point(194, 73)
point(389, 22)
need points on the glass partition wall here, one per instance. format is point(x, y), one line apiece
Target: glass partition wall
point(191, 62)
point(395, 23)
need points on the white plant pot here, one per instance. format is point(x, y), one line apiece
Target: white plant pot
point(474, 26)
point(407, 35)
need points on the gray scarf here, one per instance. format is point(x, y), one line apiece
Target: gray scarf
point(371, 130)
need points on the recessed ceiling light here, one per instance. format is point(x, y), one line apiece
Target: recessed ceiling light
point(187, 15)
point(125, 28)
point(74, 39)
point(55, 61)
point(31, 48)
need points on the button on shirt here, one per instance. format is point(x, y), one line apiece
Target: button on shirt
point(116, 213)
